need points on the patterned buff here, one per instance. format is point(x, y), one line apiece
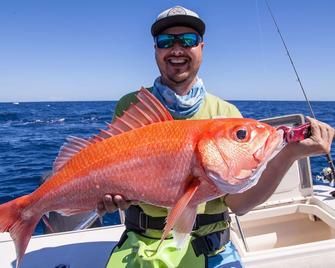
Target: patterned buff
point(180, 107)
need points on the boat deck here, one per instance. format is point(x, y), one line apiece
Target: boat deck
point(77, 249)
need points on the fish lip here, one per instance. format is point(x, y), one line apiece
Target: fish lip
point(278, 138)
point(239, 178)
point(225, 186)
point(260, 153)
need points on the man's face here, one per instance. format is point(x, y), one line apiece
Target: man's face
point(179, 65)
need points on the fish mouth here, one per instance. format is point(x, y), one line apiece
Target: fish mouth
point(248, 178)
point(226, 187)
point(272, 143)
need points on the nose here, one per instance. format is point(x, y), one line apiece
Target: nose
point(177, 49)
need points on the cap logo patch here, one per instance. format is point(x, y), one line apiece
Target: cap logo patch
point(177, 11)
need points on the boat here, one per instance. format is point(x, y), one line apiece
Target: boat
point(295, 226)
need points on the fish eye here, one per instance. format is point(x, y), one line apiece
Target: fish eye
point(241, 134)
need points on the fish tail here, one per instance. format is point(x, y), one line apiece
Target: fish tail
point(19, 225)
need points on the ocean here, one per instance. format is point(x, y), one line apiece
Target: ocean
point(31, 134)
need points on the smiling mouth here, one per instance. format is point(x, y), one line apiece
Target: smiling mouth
point(177, 61)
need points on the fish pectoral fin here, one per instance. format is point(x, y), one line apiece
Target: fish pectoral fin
point(184, 225)
point(177, 216)
point(179, 211)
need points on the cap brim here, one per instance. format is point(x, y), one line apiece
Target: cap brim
point(178, 20)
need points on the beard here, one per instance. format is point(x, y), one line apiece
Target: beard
point(179, 77)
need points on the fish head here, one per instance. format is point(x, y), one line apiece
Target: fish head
point(234, 152)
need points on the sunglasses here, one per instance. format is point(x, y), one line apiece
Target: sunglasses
point(185, 39)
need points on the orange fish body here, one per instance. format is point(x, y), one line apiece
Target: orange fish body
point(136, 164)
point(147, 156)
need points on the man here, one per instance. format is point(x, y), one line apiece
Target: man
point(178, 34)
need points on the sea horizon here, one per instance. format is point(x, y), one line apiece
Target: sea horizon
point(229, 100)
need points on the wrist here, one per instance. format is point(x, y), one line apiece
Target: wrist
point(292, 151)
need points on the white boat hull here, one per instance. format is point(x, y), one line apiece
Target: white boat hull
point(77, 249)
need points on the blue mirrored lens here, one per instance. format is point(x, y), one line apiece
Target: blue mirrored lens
point(164, 40)
point(185, 39)
point(189, 39)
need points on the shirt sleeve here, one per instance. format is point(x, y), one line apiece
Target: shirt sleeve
point(124, 103)
point(234, 112)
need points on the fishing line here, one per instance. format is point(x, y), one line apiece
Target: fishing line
point(329, 158)
point(261, 38)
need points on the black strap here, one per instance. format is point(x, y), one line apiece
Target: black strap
point(204, 219)
point(137, 220)
point(209, 243)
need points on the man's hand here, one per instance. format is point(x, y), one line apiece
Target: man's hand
point(318, 143)
point(111, 203)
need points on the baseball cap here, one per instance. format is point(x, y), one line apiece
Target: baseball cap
point(177, 16)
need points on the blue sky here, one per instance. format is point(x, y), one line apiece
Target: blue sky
point(100, 50)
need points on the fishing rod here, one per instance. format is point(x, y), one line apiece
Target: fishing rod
point(299, 133)
point(328, 155)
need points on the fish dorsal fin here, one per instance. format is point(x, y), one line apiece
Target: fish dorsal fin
point(146, 111)
point(73, 146)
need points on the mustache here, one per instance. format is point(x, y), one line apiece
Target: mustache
point(167, 57)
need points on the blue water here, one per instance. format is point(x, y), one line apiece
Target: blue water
point(32, 133)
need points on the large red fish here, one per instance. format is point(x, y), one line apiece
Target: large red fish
point(146, 155)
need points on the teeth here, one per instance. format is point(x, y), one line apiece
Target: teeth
point(177, 60)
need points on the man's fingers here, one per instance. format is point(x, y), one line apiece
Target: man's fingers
point(109, 204)
point(315, 129)
point(121, 203)
point(322, 134)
